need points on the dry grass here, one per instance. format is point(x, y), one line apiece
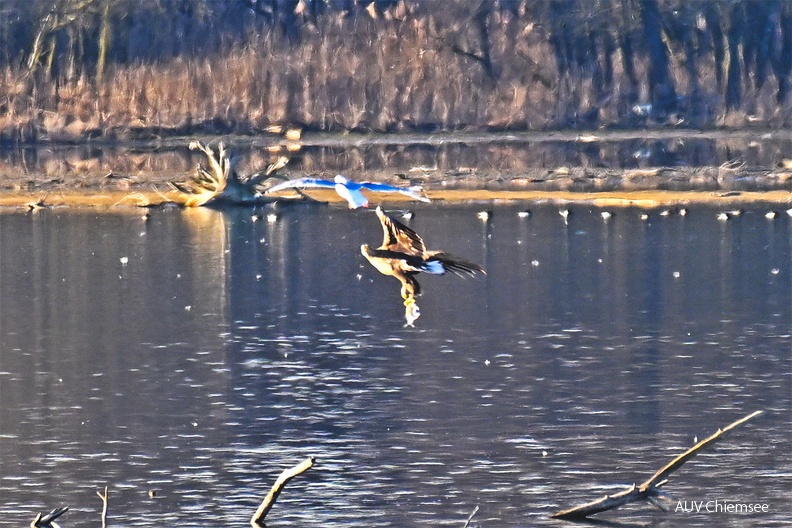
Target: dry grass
point(355, 74)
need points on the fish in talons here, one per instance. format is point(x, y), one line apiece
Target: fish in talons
point(411, 312)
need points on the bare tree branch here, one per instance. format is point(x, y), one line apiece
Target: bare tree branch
point(284, 478)
point(48, 520)
point(104, 506)
point(649, 490)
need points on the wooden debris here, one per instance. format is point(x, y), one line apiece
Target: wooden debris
point(219, 182)
point(649, 490)
point(284, 478)
point(470, 517)
point(293, 134)
point(38, 204)
point(643, 173)
point(49, 519)
point(104, 506)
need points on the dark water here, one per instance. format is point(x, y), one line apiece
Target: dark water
point(226, 349)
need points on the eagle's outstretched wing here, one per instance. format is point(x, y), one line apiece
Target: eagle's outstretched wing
point(398, 237)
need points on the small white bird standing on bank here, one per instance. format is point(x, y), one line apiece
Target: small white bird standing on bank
point(349, 190)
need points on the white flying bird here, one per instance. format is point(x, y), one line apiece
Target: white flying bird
point(349, 190)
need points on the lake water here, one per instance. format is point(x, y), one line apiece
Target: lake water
point(199, 353)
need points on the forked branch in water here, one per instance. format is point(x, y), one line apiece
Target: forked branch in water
point(650, 489)
point(103, 496)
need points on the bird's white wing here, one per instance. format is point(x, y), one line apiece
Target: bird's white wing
point(301, 183)
point(351, 193)
point(412, 192)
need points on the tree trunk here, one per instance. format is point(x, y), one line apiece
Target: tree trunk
point(104, 44)
point(767, 38)
point(661, 86)
point(734, 75)
point(713, 18)
point(782, 62)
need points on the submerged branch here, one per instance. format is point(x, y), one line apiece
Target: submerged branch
point(274, 493)
point(49, 519)
point(470, 517)
point(649, 490)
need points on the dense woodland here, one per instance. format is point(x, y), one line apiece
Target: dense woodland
point(76, 69)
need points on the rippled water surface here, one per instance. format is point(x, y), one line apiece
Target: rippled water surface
point(199, 353)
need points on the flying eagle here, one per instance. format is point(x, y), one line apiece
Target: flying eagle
point(349, 190)
point(403, 255)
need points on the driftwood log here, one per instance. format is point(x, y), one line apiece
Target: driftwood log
point(284, 478)
point(650, 489)
point(220, 182)
point(48, 520)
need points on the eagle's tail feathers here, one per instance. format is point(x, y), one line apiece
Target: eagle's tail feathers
point(440, 263)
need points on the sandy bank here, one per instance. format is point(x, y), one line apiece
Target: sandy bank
point(493, 168)
point(106, 200)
